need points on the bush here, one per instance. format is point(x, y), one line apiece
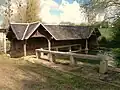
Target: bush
point(97, 24)
point(116, 34)
point(116, 52)
point(102, 40)
point(104, 25)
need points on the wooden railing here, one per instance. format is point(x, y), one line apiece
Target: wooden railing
point(52, 57)
point(56, 48)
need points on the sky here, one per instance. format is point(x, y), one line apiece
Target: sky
point(56, 11)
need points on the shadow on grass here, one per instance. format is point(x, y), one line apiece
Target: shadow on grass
point(44, 78)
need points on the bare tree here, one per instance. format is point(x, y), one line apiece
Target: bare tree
point(23, 11)
point(6, 12)
point(94, 7)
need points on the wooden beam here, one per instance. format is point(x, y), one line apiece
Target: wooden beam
point(24, 47)
point(86, 47)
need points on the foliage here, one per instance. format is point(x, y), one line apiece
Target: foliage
point(32, 11)
point(94, 7)
point(116, 52)
point(20, 11)
point(102, 40)
point(115, 41)
point(6, 12)
point(104, 24)
point(116, 33)
point(97, 24)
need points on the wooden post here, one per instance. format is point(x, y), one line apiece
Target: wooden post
point(37, 54)
point(4, 42)
point(56, 49)
point(25, 42)
point(70, 49)
point(80, 48)
point(41, 54)
point(49, 48)
point(72, 61)
point(86, 47)
point(103, 66)
point(49, 45)
point(52, 57)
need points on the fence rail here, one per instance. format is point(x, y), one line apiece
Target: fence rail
point(52, 57)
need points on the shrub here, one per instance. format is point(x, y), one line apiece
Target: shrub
point(116, 52)
point(104, 24)
point(102, 40)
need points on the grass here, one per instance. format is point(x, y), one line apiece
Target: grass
point(57, 80)
point(22, 75)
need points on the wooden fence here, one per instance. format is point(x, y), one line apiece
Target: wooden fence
point(52, 57)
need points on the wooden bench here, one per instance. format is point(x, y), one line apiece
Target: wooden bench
point(52, 57)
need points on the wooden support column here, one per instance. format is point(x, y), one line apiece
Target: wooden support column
point(70, 49)
point(25, 44)
point(80, 48)
point(49, 45)
point(56, 49)
point(49, 48)
point(4, 42)
point(97, 43)
point(86, 47)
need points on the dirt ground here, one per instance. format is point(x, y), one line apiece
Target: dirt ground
point(19, 74)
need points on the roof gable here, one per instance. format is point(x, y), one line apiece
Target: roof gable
point(32, 27)
point(19, 30)
point(23, 30)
